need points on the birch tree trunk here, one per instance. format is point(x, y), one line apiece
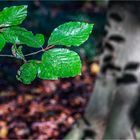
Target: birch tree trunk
point(116, 91)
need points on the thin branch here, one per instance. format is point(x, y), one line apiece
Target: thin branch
point(29, 54)
point(33, 53)
point(42, 50)
point(6, 55)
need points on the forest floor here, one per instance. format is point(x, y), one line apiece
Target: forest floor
point(46, 110)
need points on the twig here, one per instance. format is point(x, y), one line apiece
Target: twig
point(29, 54)
point(33, 53)
point(6, 55)
point(42, 50)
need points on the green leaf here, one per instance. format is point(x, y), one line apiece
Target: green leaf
point(2, 42)
point(14, 15)
point(17, 52)
point(59, 63)
point(18, 35)
point(70, 34)
point(27, 72)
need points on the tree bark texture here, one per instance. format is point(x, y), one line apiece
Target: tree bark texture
point(117, 86)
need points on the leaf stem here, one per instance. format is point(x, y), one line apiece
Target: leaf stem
point(33, 53)
point(29, 54)
point(6, 55)
point(42, 50)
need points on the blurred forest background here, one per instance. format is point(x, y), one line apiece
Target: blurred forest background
point(48, 109)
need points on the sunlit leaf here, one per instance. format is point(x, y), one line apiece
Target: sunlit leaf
point(2, 42)
point(27, 72)
point(59, 63)
point(70, 34)
point(13, 15)
point(18, 35)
